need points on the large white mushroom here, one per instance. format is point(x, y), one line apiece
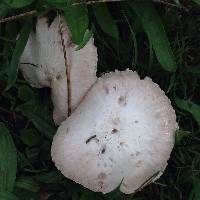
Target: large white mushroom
point(50, 60)
point(122, 133)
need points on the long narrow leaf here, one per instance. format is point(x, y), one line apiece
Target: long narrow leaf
point(190, 107)
point(197, 1)
point(27, 183)
point(154, 28)
point(36, 114)
point(8, 160)
point(19, 48)
point(7, 196)
point(105, 20)
point(77, 20)
point(18, 3)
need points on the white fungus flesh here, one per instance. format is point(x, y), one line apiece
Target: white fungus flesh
point(43, 64)
point(121, 134)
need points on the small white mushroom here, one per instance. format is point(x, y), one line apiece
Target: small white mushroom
point(48, 53)
point(121, 133)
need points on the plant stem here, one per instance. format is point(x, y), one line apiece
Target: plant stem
point(15, 17)
point(67, 69)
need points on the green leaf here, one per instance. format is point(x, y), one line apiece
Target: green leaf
point(30, 137)
point(105, 20)
point(177, 2)
point(181, 135)
point(8, 160)
point(7, 196)
point(27, 183)
point(195, 71)
point(3, 10)
point(60, 4)
point(86, 38)
point(197, 1)
point(135, 61)
point(38, 116)
point(18, 3)
point(19, 48)
point(77, 20)
point(22, 161)
point(25, 93)
point(154, 28)
point(194, 193)
point(190, 107)
point(49, 177)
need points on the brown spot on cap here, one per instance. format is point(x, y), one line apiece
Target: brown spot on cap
point(137, 153)
point(103, 149)
point(58, 76)
point(122, 100)
point(106, 89)
point(114, 131)
point(102, 175)
point(100, 183)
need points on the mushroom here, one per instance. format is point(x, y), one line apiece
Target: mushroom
point(50, 59)
point(121, 134)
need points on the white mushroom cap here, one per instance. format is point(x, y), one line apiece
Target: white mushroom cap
point(121, 133)
point(43, 64)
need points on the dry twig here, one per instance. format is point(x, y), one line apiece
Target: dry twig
point(15, 17)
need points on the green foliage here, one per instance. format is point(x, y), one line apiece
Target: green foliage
point(39, 116)
point(86, 38)
point(25, 93)
point(30, 137)
point(103, 15)
point(77, 19)
point(27, 183)
point(189, 107)
point(8, 196)
point(19, 48)
point(8, 160)
point(18, 3)
point(154, 28)
point(157, 39)
point(197, 1)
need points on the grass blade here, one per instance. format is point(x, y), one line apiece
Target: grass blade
point(27, 183)
point(86, 38)
point(77, 20)
point(37, 115)
point(190, 107)
point(135, 60)
point(154, 28)
point(105, 20)
point(19, 48)
point(7, 196)
point(197, 1)
point(18, 3)
point(8, 160)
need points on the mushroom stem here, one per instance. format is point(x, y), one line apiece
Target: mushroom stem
point(67, 70)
